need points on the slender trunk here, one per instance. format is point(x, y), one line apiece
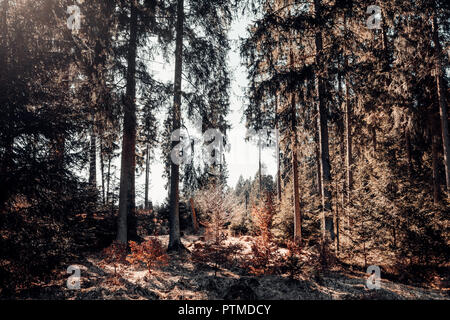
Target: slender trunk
point(348, 141)
point(147, 170)
point(93, 157)
point(278, 165)
point(194, 216)
point(108, 179)
point(4, 43)
point(385, 66)
point(319, 171)
point(348, 131)
point(336, 218)
point(277, 138)
point(297, 213)
point(349, 151)
point(259, 164)
point(7, 161)
point(442, 103)
point(342, 194)
point(436, 186)
point(102, 169)
point(327, 220)
point(246, 201)
point(174, 234)
point(129, 136)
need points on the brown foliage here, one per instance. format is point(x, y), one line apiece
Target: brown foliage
point(114, 254)
point(151, 253)
point(292, 262)
point(215, 206)
point(263, 218)
point(264, 255)
point(217, 253)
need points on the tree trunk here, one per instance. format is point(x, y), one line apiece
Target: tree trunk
point(108, 179)
point(126, 205)
point(277, 138)
point(348, 131)
point(297, 213)
point(327, 220)
point(278, 165)
point(5, 44)
point(93, 157)
point(442, 103)
point(102, 169)
point(194, 216)
point(259, 164)
point(174, 234)
point(7, 160)
point(434, 152)
point(348, 149)
point(147, 171)
point(319, 171)
point(336, 219)
point(348, 140)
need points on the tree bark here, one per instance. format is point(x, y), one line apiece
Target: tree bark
point(436, 187)
point(277, 138)
point(7, 161)
point(102, 170)
point(348, 149)
point(442, 102)
point(348, 141)
point(194, 216)
point(348, 131)
point(108, 179)
point(147, 171)
point(126, 205)
point(297, 213)
point(174, 232)
point(327, 220)
point(93, 157)
point(278, 164)
point(336, 219)
point(319, 171)
point(259, 163)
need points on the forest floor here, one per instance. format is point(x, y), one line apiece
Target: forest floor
point(181, 279)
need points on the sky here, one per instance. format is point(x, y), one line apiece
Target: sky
point(242, 158)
